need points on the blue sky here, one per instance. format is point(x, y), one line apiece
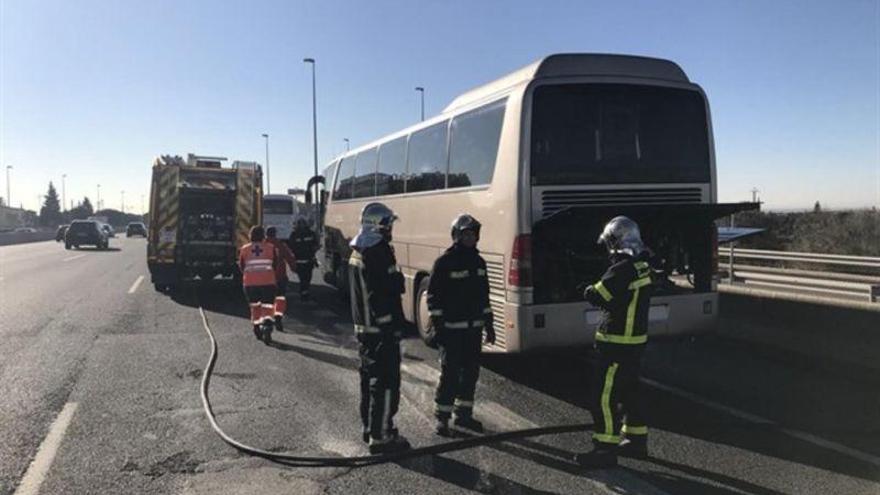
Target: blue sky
point(96, 89)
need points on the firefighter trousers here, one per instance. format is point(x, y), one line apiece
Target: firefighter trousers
point(304, 272)
point(616, 403)
point(459, 371)
point(380, 383)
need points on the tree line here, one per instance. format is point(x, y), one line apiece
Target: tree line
point(50, 214)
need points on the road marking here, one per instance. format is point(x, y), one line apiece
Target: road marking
point(73, 257)
point(39, 467)
point(800, 435)
point(136, 284)
point(421, 371)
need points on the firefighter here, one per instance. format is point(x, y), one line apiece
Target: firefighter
point(623, 293)
point(285, 258)
point(376, 285)
point(458, 302)
point(304, 244)
point(258, 261)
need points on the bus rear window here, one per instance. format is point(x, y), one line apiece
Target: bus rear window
point(277, 207)
point(618, 134)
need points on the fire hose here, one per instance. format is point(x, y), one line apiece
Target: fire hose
point(294, 460)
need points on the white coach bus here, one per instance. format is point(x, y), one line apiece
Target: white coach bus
point(543, 158)
point(280, 211)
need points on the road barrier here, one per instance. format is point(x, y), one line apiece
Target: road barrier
point(777, 271)
point(9, 238)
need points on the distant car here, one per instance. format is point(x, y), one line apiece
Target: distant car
point(108, 229)
point(135, 228)
point(59, 234)
point(86, 232)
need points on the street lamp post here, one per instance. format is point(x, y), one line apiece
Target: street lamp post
point(63, 192)
point(315, 137)
point(98, 199)
point(123, 202)
point(421, 91)
point(268, 182)
point(347, 144)
point(8, 188)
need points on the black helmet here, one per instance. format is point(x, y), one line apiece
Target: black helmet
point(464, 222)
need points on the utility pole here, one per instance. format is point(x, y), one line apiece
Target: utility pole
point(268, 181)
point(755, 195)
point(8, 189)
point(63, 192)
point(347, 144)
point(123, 202)
point(421, 90)
point(315, 140)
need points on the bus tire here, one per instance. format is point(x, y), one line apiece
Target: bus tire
point(341, 275)
point(422, 319)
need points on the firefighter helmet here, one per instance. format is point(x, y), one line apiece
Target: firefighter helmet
point(465, 222)
point(621, 235)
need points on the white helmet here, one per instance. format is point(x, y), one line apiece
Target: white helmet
point(621, 235)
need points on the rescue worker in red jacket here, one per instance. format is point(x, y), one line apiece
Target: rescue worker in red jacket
point(285, 259)
point(257, 261)
point(624, 295)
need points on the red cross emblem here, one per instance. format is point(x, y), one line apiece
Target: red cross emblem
point(257, 250)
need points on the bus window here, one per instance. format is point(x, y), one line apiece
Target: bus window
point(365, 174)
point(427, 159)
point(392, 167)
point(474, 145)
point(618, 134)
point(345, 179)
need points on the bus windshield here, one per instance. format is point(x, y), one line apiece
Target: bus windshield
point(618, 134)
point(277, 206)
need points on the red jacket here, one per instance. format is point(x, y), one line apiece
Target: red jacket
point(258, 262)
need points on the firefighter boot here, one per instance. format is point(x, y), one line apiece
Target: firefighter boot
point(601, 456)
point(279, 323)
point(441, 427)
point(389, 445)
point(468, 422)
point(635, 447)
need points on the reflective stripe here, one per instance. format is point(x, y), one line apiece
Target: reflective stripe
point(383, 319)
point(487, 311)
point(392, 269)
point(386, 414)
point(435, 312)
point(356, 262)
point(442, 408)
point(642, 282)
point(631, 314)
point(600, 437)
point(481, 272)
point(600, 288)
point(459, 274)
point(366, 329)
point(606, 402)
point(621, 339)
point(464, 324)
point(303, 262)
point(634, 430)
point(464, 403)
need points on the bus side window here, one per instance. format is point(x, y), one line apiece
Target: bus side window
point(345, 180)
point(474, 145)
point(427, 159)
point(365, 174)
point(392, 167)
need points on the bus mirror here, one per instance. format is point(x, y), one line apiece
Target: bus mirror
point(308, 197)
point(324, 196)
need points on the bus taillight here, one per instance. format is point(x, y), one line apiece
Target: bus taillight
point(520, 272)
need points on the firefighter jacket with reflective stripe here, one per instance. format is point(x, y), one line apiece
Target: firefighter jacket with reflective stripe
point(458, 292)
point(624, 294)
point(376, 285)
point(257, 261)
point(304, 244)
point(285, 259)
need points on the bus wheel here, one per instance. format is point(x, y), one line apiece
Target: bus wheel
point(341, 275)
point(423, 319)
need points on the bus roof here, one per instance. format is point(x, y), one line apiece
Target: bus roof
point(575, 64)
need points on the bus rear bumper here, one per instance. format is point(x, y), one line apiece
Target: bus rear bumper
point(574, 324)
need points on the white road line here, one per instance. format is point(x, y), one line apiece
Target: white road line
point(800, 435)
point(73, 257)
point(421, 371)
point(136, 284)
point(39, 468)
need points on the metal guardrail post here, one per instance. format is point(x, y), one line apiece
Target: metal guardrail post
point(730, 277)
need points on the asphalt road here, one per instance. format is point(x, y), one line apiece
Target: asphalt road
point(99, 382)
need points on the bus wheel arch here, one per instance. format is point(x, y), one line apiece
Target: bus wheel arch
point(421, 318)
